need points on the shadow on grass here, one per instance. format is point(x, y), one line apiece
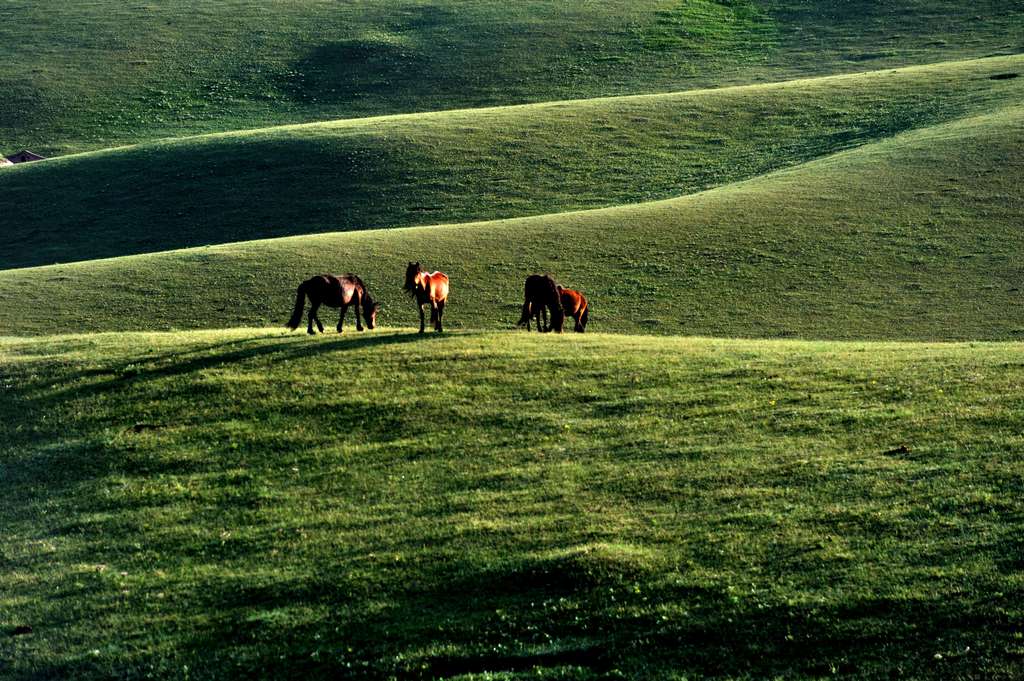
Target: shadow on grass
point(72, 459)
point(342, 72)
point(515, 622)
point(563, 618)
point(286, 348)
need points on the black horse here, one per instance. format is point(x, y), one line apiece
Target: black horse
point(334, 291)
point(540, 296)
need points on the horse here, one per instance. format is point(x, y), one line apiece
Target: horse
point(576, 306)
point(427, 289)
point(334, 291)
point(540, 294)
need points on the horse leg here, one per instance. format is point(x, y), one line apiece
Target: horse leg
point(314, 318)
point(543, 313)
point(359, 320)
point(422, 324)
point(341, 316)
point(440, 313)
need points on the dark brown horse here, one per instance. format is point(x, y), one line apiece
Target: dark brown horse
point(575, 305)
point(334, 291)
point(428, 289)
point(540, 295)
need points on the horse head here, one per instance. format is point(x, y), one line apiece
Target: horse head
point(370, 309)
point(412, 273)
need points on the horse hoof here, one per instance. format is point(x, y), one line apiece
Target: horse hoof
point(311, 332)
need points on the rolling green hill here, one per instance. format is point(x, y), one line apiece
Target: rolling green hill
point(914, 237)
point(88, 75)
point(467, 165)
point(238, 504)
point(203, 495)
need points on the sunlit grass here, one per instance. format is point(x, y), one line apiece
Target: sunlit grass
point(250, 502)
point(469, 165)
point(89, 75)
point(914, 237)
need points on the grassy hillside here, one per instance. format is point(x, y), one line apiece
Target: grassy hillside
point(467, 165)
point(88, 75)
point(916, 237)
point(242, 503)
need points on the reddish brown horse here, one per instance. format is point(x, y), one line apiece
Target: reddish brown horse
point(576, 306)
point(428, 289)
point(334, 291)
point(540, 295)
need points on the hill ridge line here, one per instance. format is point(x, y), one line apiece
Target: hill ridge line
point(369, 233)
point(426, 115)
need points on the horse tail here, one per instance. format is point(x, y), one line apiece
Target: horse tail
point(300, 303)
point(525, 317)
point(584, 317)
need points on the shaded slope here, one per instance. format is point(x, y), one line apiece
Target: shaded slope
point(79, 76)
point(915, 237)
point(245, 504)
point(465, 165)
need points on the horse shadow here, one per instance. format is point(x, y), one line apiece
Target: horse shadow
point(63, 467)
point(287, 347)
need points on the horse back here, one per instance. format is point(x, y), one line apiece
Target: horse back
point(332, 290)
point(541, 289)
point(437, 286)
point(573, 302)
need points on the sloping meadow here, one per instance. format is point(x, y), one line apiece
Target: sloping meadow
point(213, 504)
point(915, 237)
point(91, 75)
point(467, 165)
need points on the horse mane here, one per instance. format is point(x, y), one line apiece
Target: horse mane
point(368, 300)
point(410, 282)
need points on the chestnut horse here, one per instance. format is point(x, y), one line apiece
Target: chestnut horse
point(334, 291)
point(428, 289)
point(576, 306)
point(540, 294)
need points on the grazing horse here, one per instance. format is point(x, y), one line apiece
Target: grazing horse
point(576, 306)
point(427, 289)
point(540, 294)
point(334, 291)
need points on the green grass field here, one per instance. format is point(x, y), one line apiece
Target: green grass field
point(789, 446)
point(240, 503)
point(470, 165)
point(90, 75)
point(914, 237)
